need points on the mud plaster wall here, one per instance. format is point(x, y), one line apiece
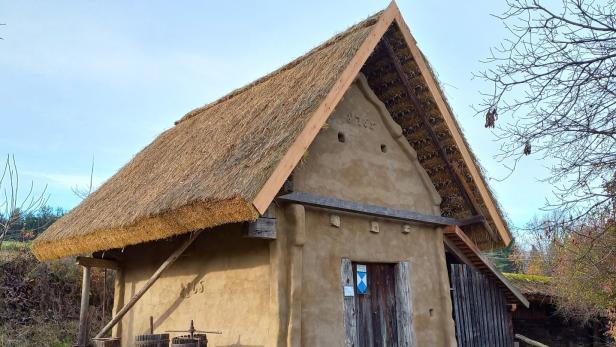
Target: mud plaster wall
point(223, 282)
point(360, 169)
point(287, 292)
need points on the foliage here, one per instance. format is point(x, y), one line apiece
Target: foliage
point(27, 226)
point(39, 302)
point(581, 260)
point(529, 278)
point(585, 272)
point(502, 258)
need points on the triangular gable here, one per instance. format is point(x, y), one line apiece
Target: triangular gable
point(390, 16)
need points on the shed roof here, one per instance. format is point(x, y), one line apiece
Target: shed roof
point(473, 255)
point(226, 161)
point(531, 285)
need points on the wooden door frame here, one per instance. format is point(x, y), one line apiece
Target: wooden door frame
point(404, 304)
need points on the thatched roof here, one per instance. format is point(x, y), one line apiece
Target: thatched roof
point(225, 162)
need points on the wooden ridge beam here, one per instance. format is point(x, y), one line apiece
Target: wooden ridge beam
point(374, 210)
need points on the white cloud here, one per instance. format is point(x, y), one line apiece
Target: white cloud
point(65, 180)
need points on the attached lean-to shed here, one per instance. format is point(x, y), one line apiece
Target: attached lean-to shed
point(316, 206)
point(541, 320)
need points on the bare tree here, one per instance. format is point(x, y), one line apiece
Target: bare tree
point(554, 91)
point(83, 192)
point(14, 205)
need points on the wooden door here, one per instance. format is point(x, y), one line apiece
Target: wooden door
point(480, 309)
point(376, 306)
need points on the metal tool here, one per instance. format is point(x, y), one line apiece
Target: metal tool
point(192, 331)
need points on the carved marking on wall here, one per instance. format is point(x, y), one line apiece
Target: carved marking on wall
point(360, 121)
point(191, 288)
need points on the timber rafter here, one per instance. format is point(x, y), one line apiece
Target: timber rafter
point(423, 115)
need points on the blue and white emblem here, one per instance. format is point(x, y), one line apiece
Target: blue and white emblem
point(362, 279)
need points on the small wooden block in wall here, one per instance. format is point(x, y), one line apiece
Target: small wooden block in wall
point(262, 228)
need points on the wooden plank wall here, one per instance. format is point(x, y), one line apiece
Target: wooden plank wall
point(480, 310)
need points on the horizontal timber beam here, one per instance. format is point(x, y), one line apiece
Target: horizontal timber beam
point(95, 262)
point(373, 210)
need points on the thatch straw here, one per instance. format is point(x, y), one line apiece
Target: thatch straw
point(207, 169)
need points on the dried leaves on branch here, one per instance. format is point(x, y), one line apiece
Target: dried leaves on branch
point(554, 87)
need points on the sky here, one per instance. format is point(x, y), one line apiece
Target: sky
point(84, 81)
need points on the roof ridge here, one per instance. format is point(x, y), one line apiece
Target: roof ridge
point(360, 25)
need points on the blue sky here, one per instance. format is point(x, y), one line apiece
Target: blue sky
point(84, 79)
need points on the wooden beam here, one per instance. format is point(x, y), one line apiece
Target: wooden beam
point(371, 210)
point(172, 258)
point(423, 116)
point(290, 159)
point(476, 207)
point(99, 263)
point(404, 305)
point(481, 262)
point(528, 341)
point(452, 125)
point(262, 228)
point(82, 338)
point(348, 304)
point(471, 220)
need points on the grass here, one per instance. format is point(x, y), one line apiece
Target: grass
point(12, 249)
point(10, 245)
point(528, 278)
point(41, 332)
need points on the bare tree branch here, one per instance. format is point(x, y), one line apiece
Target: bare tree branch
point(14, 206)
point(553, 83)
point(84, 192)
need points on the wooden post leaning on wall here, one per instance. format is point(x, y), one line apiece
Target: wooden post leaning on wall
point(82, 337)
point(172, 258)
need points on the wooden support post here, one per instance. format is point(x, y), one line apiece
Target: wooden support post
point(172, 258)
point(82, 338)
point(348, 304)
point(404, 306)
